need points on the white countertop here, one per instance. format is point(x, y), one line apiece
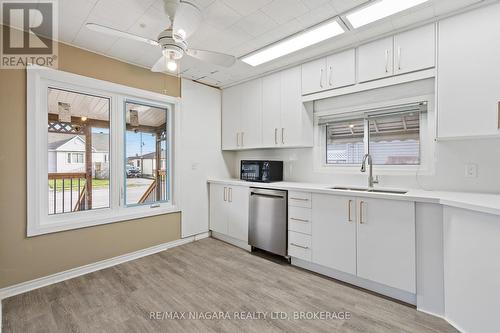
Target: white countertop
point(481, 202)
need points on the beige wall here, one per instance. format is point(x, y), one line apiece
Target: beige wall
point(22, 258)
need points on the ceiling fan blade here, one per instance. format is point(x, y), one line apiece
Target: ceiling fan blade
point(119, 33)
point(220, 59)
point(171, 7)
point(187, 20)
point(160, 65)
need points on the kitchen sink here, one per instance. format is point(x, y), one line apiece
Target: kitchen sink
point(369, 190)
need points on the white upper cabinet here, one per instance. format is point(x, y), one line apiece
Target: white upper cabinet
point(335, 71)
point(386, 242)
point(271, 113)
point(334, 232)
point(296, 120)
point(375, 60)
point(271, 110)
point(314, 76)
point(341, 69)
point(415, 50)
point(251, 114)
point(231, 112)
point(469, 74)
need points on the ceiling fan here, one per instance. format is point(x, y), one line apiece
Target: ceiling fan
point(185, 19)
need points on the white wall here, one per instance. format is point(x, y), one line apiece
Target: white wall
point(200, 153)
point(447, 161)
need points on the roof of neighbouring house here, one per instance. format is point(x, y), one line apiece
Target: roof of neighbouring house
point(147, 156)
point(100, 141)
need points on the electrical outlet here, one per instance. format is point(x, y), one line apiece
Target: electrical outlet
point(471, 170)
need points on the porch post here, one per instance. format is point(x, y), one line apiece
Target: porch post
point(88, 163)
point(158, 167)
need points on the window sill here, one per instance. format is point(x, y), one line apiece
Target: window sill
point(98, 217)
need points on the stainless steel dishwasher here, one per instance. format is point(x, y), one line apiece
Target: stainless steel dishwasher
point(267, 229)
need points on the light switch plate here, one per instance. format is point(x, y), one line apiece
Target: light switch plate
point(471, 170)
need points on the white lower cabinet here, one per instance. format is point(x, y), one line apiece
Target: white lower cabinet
point(373, 239)
point(229, 206)
point(334, 232)
point(386, 242)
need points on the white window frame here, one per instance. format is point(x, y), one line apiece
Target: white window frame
point(427, 141)
point(39, 222)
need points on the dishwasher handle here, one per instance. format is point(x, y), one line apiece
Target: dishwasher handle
point(268, 193)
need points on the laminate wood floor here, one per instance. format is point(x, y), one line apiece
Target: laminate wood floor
point(204, 277)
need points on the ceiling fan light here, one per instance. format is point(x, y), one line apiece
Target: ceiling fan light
point(171, 65)
point(378, 10)
point(292, 44)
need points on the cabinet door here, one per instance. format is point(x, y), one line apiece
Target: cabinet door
point(375, 60)
point(334, 232)
point(314, 76)
point(218, 208)
point(469, 79)
point(251, 114)
point(296, 122)
point(237, 218)
point(386, 242)
point(271, 110)
point(415, 50)
point(341, 69)
point(231, 109)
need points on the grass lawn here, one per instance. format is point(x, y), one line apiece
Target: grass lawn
point(96, 183)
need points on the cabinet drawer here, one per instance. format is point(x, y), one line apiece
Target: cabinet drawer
point(299, 199)
point(299, 245)
point(299, 219)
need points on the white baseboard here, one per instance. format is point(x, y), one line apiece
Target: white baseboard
point(78, 271)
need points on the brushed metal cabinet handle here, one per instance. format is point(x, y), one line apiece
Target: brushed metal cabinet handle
point(225, 193)
point(275, 136)
point(321, 77)
point(361, 212)
point(242, 139)
point(349, 203)
point(230, 196)
point(399, 58)
point(331, 75)
point(302, 247)
point(299, 199)
point(282, 135)
point(387, 61)
point(237, 139)
point(300, 220)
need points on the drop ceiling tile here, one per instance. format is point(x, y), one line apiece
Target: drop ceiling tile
point(317, 15)
point(94, 41)
point(118, 14)
point(312, 4)
point(246, 7)
point(344, 5)
point(69, 26)
point(76, 9)
point(204, 37)
point(228, 39)
point(256, 24)
point(127, 49)
point(150, 24)
point(220, 15)
point(283, 11)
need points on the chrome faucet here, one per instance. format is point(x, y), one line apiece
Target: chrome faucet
point(371, 180)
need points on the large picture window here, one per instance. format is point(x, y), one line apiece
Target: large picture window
point(98, 152)
point(391, 137)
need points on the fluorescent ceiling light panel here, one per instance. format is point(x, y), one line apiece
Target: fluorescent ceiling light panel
point(379, 10)
point(302, 40)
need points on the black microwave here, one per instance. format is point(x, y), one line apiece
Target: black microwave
point(262, 171)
